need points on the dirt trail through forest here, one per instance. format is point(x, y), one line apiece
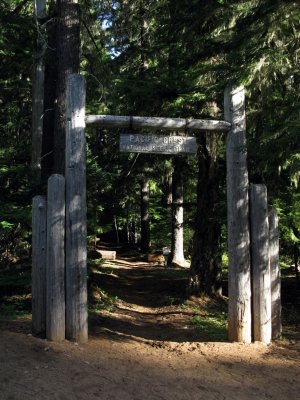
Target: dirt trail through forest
point(143, 347)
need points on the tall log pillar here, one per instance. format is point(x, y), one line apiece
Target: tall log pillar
point(75, 173)
point(55, 259)
point(275, 274)
point(261, 282)
point(239, 282)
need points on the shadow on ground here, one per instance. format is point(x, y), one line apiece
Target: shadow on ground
point(150, 304)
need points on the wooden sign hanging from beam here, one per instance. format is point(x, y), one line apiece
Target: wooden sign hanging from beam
point(157, 144)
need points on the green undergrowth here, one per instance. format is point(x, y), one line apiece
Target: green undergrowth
point(209, 317)
point(16, 306)
point(15, 291)
point(214, 327)
point(100, 300)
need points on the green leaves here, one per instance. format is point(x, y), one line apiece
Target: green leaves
point(6, 225)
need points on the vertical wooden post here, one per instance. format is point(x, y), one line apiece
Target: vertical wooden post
point(39, 243)
point(239, 282)
point(76, 269)
point(177, 213)
point(275, 274)
point(261, 281)
point(55, 323)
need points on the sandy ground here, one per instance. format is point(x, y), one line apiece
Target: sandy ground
point(144, 349)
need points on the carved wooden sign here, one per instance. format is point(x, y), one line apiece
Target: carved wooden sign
point(157, 144)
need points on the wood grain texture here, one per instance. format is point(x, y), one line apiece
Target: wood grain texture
point(76, 242)
point(134, 122)
point(261, 280)
point(239, 280)
point(55, 324)
point(275, 274)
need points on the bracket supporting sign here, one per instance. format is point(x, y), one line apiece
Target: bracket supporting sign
point(157, 144)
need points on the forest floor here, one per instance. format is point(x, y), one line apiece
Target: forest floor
point(147, 342)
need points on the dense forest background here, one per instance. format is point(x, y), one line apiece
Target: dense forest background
point(157, 58)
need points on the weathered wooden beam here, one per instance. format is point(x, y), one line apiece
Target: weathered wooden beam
point(39, 243)
point(261, 281)
point(55, 304)
point(114, 121)
point(275, 274)
point(76, 241)
point(239, 279)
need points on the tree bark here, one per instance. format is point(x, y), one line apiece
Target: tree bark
point(38, 91)
point(39, 244)
point(177, 213)
point(68, 56)
point(205, 272)
point(50, 94)
point(145, 220)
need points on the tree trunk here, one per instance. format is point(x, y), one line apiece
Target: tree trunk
point(39, 244)
point(177, 213)
point(205, 272)
point(145, 221)
point(49, 95)
point(38, 91)
point(68, 53)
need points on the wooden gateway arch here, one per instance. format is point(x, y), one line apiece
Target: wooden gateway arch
point(59, 227)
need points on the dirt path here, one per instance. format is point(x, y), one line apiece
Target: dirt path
point(144, 349)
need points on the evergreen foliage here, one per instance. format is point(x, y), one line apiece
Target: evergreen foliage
point(16, 44)
point(162, 58)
